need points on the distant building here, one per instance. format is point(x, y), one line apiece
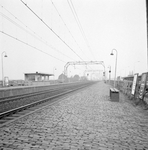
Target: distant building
point(37, 76)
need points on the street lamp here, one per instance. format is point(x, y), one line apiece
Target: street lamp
point(109, 73)
point(115, 64)
point(5, 55)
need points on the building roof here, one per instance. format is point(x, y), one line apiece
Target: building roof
point(38, 73)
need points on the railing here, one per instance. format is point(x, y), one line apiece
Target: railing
point(125, 87)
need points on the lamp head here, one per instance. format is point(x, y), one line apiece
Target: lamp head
point(112, 53)
point(5, 55)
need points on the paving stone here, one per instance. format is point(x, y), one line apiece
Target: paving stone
point(86, 120)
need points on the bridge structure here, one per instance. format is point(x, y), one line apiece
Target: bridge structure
point(82, 63)
point(92, 71)
point(99, 72)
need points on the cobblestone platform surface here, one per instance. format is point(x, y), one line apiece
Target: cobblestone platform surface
point(87, 120)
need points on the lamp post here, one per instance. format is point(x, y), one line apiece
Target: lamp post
point(109, 73)
point(115, 64)
point(5, 55)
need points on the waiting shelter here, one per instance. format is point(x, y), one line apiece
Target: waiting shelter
point(37, 76)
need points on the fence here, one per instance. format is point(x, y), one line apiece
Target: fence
point(125, 87)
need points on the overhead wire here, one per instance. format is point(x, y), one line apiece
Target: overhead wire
point(82, 31)
point(13, 22)
point(76, 20)
point(17, 39)
point(36, 36)
point(20, 21)
point(66, 27)
point(51, 29)
point(79, 25)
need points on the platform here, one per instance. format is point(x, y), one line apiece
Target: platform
point(86, 120)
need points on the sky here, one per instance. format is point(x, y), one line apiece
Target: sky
point(44, 35)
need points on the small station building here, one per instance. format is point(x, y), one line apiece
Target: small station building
point(37, 76)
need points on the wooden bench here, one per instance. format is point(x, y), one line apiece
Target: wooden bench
point(114, 94)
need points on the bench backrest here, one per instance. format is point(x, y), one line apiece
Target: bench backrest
point(114, 90)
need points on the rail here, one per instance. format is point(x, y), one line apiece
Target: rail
point(48, 98)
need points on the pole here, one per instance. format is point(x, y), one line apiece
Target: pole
point(147, 31)
point(115, 66)
point(2, 72)
point(2, 67)
point(115, 70)
point(109, 77)
point(109, 74)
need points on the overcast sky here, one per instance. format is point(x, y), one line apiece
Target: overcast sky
point(46, 34)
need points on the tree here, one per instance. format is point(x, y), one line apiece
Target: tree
point(76, 78)
point(62, 78)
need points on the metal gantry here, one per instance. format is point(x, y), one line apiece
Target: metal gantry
point(82, 63)
point(99, 72)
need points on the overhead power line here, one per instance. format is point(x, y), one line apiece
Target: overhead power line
point(32, 34)
point(66, 26)
point(30, 45)
point(51, 29)
point(79, 25)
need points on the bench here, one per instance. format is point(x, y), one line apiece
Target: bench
point(114, 94)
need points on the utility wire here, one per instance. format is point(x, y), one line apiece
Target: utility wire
point(30, 45)
point(37, 36)
point(79, 25)
point(20, 21)
point(13, 22)
point(66, 26)
point(82, 31)
point(76, 20)
point(51, 29)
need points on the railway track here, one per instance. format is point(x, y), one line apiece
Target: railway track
point(52, 97)
point(10, 98)
point(17, 101)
